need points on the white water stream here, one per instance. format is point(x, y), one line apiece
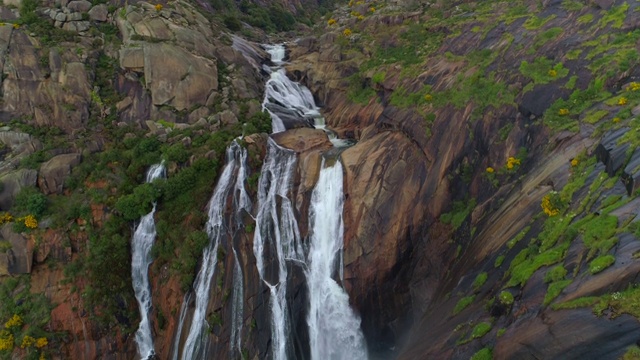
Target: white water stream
point(334, 329)
point(195, 345)
point(143, 238)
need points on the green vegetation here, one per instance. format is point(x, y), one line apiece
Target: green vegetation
point(615, 16)
point(633, 353)
point(483, 354)
point(600, 263)
point(593, 117)
point(572, 5)
point(463, 303)
point(480, 330)
point(461, 210)
point(527, 262)
point(506, 298)
point(543, 70)
point(554, 289)
point(499, 261)
point(580, 100)
point(479, 281)
point(556, 273)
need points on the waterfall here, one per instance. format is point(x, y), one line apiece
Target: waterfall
point(143, 237)
point(183, 315)
point(277, 238)
point(288, 102)
point(195, 345)
point(334, 329)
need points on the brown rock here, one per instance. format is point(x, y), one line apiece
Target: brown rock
point(303, 139)
point(54, 172)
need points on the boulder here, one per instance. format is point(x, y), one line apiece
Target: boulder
point(54, 172)
point(13, 182)
point(178, 78)
point(79, 5)
point(99, 13)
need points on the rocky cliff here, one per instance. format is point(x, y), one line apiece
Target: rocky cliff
point(490, 194)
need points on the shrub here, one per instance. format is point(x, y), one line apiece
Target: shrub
point(30, 200)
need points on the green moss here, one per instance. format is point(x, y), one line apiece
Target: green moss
point(461, 210)
point(595, 116)
point(615, 16)
point(585, 19)
point(632, 353)
point(499, 261)
point(520, 273)
point(600, 263)
point(535, 22)
point(546, 36)
point(378, 77)
point(511, 243)
point(556, 273)
point(554, 289)
point(463, 303)
point(483, 354)
point(479, 280)
point(571, 83)
point(543, 70)
point(579, 101)
point(576, 303)
point(480, 330)
point(572, 5)
point(506, 298)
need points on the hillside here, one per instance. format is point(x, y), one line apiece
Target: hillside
point(490, 182)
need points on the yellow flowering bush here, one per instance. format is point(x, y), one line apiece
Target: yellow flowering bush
point(512, 162)
point(41, 342)
point(6, 340)
point(360, 17)
point(158, 7)
point(622, 101)
point(5, 217)
point(490, 170)
point(553, 73)
point(15, 321)
point(27, 341)
point(30, 221)
point(331, 22)
point(347, 32)
point(428, 97)
point(563, 112)
point(548, 207)
point(372, 9)
point(575, 162)
point(634, 86)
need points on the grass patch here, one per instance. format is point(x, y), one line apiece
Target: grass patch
point(554, 289)
point(600, 263)
point(595, 116)
point(556, 273)
point(463, 304)
point(543, 70)
point(615, 16)
point(522, 271)
point(479, 281)
point(535, 22)
point(483, 354)
point(461, 210)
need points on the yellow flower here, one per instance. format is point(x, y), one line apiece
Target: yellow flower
point(15, 321)
point(5, 217)
point(553, 73)
point(27, 341)
point(616, 120)
point(634, 86)
point(490, 170)
point(16, 26)
point(622, 101)
point(6, 340)
point(360, 17)
point(372, 9)
point(347, 32)
point(548, 207)
point(359, 2)
point(331, 22)
point(575, 162)
point(30, 221)
point(428, 97)
point(41, 342)
point(158, 7)
point(563, 112)
point(512, 162)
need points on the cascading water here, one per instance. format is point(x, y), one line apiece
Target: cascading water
point(334, 329)
point(278, 237)
point(286, 101)
point(143, 238)
point(195, 345)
